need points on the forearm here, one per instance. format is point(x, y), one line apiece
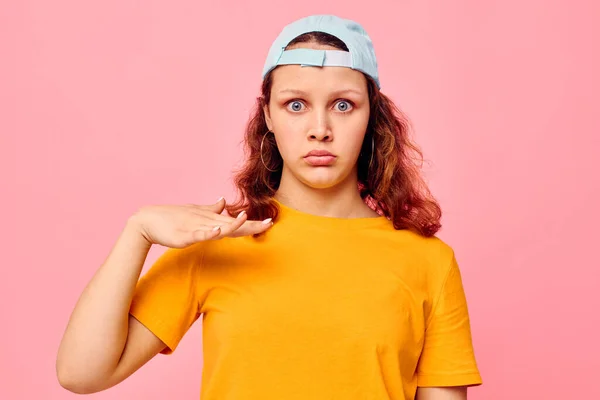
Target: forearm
point(97, 329)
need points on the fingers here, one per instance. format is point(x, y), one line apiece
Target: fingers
point(205, 234)
point(241, 226)
point(213, 212)
point(217, 225)
point(218, 219)
point(227, 228)
point(253, 227)
point(211, 232)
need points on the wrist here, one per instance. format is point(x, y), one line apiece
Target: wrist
point(134, 228)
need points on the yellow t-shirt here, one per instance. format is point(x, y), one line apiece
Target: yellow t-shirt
point(317, 308)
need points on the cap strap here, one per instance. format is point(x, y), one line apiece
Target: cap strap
point(316, 58)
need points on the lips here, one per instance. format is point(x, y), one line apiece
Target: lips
point(319, 158)
point(319, 153)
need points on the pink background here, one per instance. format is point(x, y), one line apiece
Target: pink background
point(109, 106)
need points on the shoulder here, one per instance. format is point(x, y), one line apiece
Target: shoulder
point(431, 258)
point(437, 251)
point(431, 250)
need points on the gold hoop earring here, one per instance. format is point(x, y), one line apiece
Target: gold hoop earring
point(372, 150)
point(261, 153)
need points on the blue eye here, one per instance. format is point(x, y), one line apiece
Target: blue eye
point(295, 106)
point(343, 106)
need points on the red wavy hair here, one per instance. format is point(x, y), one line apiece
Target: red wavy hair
point(392, 185)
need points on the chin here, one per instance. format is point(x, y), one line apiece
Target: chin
point(321, 185)
point(321, 178)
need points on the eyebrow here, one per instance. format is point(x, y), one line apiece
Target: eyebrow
point(336, 93)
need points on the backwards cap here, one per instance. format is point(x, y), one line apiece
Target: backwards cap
point(361, 56)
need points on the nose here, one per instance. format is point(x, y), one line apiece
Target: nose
point(321, 129)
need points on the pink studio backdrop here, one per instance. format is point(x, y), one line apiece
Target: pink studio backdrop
point(108, 106)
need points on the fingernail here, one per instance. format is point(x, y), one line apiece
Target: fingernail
point(216, 228)
point(241, 214)
point(220, 198)
point(267, 221)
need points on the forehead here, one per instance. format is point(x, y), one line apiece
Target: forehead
point(317, 79)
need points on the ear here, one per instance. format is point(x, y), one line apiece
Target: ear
point(267, 113)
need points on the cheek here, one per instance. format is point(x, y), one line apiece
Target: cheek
point(354, 135)
point(289, 133)
point(354, 142)
point(289, 141)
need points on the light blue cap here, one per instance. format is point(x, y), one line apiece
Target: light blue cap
point(361, 56)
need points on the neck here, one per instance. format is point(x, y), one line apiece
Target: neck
point(340, 201)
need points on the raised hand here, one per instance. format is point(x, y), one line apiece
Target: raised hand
point(179, 226)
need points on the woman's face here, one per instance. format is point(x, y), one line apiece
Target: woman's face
point(323, 109)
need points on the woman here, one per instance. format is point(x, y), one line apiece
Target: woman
point(325, 279)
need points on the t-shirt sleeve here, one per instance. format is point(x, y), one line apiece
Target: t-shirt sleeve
point(448, 358)
point(165, 299)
